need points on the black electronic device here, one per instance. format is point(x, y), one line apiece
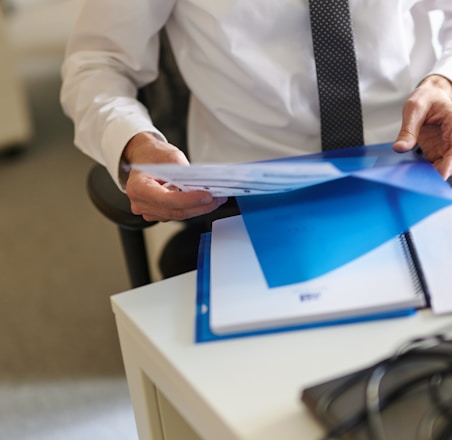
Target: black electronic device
point(407, 396)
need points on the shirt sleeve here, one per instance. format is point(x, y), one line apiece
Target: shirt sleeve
point(443, 65)
point(112, 51)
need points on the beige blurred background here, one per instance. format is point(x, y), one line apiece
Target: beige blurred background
point(61, 372)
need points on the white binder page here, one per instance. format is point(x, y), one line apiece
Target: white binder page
point(240, 300)
point(433, 241)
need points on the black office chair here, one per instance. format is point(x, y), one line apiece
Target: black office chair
point(167, 102)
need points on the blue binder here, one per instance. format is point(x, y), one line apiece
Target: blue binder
point(204, 333)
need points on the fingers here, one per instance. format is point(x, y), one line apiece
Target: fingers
point(427, 122)
point(155, 202)
point(179, 214)
point(179, 205)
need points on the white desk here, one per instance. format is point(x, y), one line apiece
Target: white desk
point(242, 389)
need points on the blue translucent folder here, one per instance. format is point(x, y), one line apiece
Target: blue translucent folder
point(308, 232)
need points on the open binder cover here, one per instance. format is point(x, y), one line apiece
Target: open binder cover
point(233, 299)
point(380, 195)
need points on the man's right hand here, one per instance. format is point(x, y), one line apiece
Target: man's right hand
point(149, 197)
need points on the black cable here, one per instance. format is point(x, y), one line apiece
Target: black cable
point(360, 417)
point(407, 355)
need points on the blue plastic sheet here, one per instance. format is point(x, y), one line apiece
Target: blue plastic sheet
point(306, 233)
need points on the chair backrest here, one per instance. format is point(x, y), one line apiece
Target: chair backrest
point(167, 98)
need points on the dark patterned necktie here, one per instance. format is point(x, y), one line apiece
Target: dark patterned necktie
point(337, 74)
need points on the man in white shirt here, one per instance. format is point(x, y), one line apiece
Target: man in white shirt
point(249, 65)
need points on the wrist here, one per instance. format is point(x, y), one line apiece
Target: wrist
point(130, 152)
point(439, 82)
point(135, 145)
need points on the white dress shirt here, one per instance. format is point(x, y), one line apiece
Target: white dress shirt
point(249, 65)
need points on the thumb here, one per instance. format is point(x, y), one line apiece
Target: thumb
point(409, 132)
point(406, 140)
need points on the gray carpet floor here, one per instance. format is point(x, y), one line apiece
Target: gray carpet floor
point(61, 372)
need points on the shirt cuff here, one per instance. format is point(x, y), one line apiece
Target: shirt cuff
point(114, 140)
point(443, 68)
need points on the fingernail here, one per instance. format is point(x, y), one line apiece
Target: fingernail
point(206, 200)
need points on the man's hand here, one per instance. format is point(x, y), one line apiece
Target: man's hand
point(427, 122)
point(149, 197)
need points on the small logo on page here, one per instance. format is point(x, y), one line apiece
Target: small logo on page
point(304, 297)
